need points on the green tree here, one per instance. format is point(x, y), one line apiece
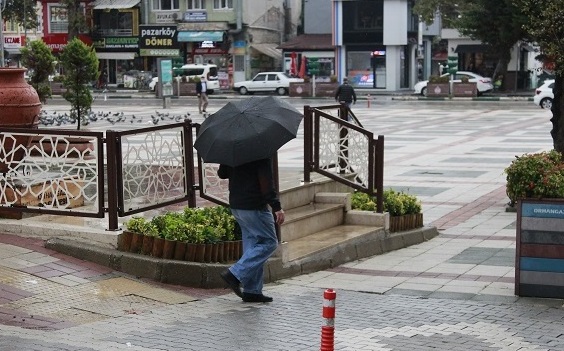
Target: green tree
point(76, 19)
point(497, 24)
point(40, 62)
point(21, 12)
point(544, 25)
point(80, 65)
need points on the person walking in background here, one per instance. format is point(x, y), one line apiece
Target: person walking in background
point(345, 93)
point(251, 192)
point(201, 92)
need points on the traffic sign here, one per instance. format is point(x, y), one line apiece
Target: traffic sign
point(452, 64)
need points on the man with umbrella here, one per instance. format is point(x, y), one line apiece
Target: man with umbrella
point(251, 189)
point(243, 137)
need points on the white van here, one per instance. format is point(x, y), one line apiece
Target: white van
point(193, 70)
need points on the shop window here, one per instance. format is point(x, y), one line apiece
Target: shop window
point(222, 4)
point(196, 4)
point(362, 65)
point(166, 5)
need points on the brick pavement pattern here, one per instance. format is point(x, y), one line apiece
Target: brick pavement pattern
point(455, 292)
point(364, 322)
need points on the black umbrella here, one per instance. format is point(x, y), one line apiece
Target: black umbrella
point(247, 130)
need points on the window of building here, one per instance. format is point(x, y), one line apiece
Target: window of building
point(363, 65)
point(58, 19)
point(196, 4)
point(222, 4)
point(115, 23)
point(166, 5)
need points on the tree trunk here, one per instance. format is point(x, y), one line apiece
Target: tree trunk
point(73, 10)
point(557, 119)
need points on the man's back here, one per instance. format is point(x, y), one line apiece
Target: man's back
point(345, 93)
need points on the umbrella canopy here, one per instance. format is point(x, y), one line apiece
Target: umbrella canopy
point(247, 130)
point(302, 73)
point(293, 69)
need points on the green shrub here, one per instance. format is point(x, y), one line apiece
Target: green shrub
point(439, 79)
point(142, 226)
point(194, 225)
point(539, 175)
point(396, 203)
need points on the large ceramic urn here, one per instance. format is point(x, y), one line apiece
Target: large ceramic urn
point(19, 108)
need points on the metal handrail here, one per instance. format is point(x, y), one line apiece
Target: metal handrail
point(374, 184)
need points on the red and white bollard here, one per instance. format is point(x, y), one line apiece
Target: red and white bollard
point(328, 330)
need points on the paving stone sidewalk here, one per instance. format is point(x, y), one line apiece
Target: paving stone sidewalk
point(454, 292)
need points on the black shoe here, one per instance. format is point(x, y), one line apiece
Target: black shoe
point(232, 281)
point(248, 297)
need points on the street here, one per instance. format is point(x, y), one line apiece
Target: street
point(454, 292)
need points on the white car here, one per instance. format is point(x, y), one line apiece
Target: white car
point(544, 95)
point(484, 84)
point(278, 82)
point(193, 70)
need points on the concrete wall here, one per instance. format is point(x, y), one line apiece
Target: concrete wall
point(316, 15)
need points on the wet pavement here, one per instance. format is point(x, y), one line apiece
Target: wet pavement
point(454, 292)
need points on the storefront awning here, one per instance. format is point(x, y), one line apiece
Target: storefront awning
point(13, 51)
point(200, 36)
point(115, 55)
point(470, 48)
point(115, 4)
point(268, 50)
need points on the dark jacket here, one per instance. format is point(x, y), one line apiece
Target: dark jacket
point(251, 186)
point(345, 93)
point(199, 88)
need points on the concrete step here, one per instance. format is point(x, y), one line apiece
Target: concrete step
point(319, 243)
point(295, 193)
point(305, 220)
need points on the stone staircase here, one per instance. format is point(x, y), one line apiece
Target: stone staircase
point(319, 221)
point(322, 231)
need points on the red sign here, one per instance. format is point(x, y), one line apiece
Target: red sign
point(209, 51)
point(57, 42)
point(12, 40)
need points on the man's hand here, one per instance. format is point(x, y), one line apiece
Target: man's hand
point(279, 217)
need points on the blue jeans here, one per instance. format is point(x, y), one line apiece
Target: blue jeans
point(259, 243)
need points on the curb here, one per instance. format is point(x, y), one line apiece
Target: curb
point(206, 275)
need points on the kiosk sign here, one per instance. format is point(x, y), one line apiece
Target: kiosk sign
point(165, 77)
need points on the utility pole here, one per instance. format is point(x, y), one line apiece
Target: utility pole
point(25, 22)
point(2, 6)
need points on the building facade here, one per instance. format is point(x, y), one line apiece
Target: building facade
point(378, 43)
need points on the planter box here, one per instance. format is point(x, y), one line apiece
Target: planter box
point(184, 89)
point(301, 89)
point(221, 252)
point(406, 222)
point(438, 89)
point(63, 192)
point(326, 89)
point(70, 146)
point(464, 89)
point(539, 264)
point(57, 88)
